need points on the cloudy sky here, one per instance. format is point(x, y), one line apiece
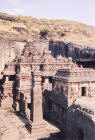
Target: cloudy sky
point(76, 10)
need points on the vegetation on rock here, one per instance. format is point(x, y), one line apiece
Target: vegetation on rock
point(44, 32)
point(22, 27)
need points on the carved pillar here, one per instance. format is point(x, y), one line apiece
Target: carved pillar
point(27, 110)
point(37, 113)
point(17, 107)
point(6, 87)
point(37, 99)
point(2, 62)
point(7, 79)
point(79, 89)
point(46, 80)
point(69, 94)
point(89, 91)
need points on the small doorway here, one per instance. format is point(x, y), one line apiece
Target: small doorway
point(83, 91)
point(50, 79)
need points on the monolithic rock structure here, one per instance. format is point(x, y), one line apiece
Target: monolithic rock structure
point(45, 86)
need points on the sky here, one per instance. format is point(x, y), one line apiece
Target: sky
point(75, 10)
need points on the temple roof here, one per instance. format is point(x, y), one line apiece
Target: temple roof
point(75, 74)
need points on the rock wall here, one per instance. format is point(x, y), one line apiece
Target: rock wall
point(74, 50)
point(9, 49)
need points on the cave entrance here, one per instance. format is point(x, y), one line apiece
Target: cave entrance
point(83, 91)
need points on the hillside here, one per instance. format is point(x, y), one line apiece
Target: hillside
point(23, 28)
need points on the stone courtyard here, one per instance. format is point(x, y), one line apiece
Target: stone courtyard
point(12, 125)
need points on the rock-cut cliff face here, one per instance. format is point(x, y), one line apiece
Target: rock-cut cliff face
point(79, 52)
point(9, 49)
point(74, 50)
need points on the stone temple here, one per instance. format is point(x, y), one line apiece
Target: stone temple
point(55, 89)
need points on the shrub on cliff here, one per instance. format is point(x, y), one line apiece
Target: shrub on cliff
point(43, 32)
point(61, 33)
